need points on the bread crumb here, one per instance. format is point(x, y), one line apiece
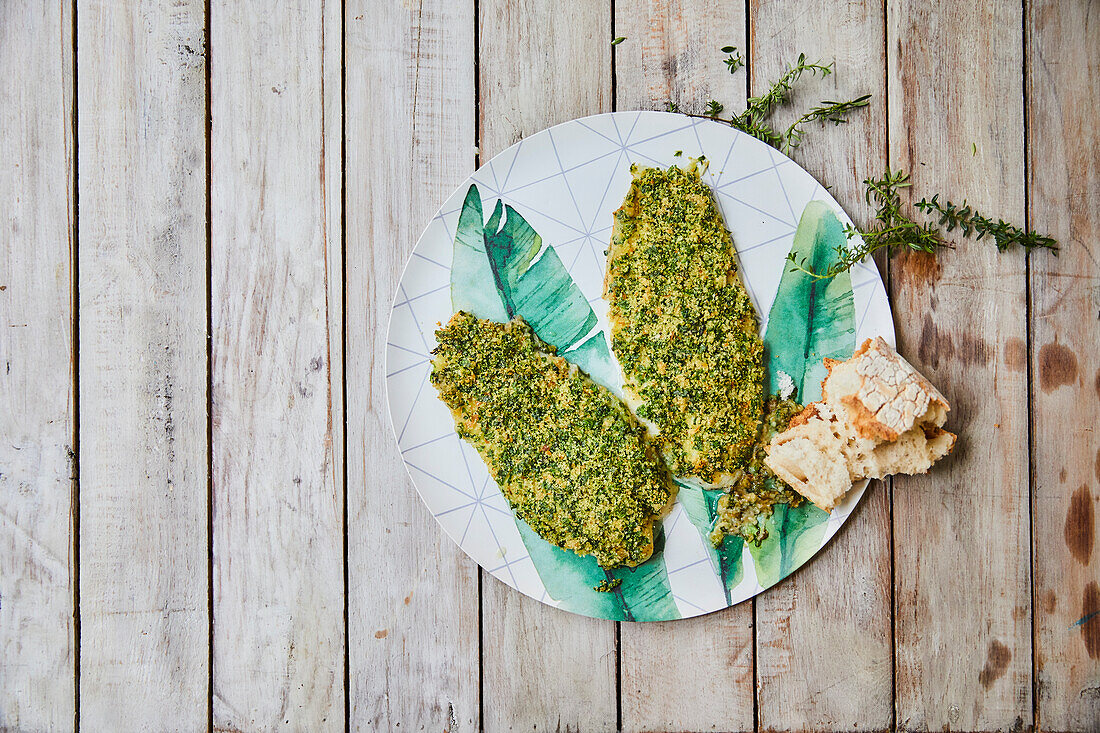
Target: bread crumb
point(786, 385)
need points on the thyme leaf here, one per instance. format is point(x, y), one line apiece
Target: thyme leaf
point(735, 60)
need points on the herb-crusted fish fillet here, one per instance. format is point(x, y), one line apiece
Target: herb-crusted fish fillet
point(683, 327)
point(568, 455)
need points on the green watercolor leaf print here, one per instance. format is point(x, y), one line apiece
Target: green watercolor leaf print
point(701, 506)
point(794, 535)
point(501, 269)
point(470, 267)
point(644, 591)
point(594, 358)
point(810, 320)
point(496, 273)
point(570, 579)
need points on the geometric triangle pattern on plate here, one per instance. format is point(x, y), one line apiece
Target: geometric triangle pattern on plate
point(566, 182)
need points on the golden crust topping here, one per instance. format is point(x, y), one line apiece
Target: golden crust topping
point(884, 393)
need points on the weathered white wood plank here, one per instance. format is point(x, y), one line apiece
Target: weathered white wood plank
point(961, 539)
point(540, 66)
point(413, 594)
point(143, 400)
point(37, 653)
point(1064, 173)
point(278, 418)
point(824, 648)
point(695, 674)
point(692, 674)
point(671, 53)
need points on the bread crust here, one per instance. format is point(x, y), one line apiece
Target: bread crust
point(878, 416)
point(885, 393)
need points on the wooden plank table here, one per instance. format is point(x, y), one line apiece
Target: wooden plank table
point(204, 520)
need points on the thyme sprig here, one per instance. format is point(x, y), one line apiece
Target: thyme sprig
point(827, 111)
point(895, 229)
point(779, 90)
point(754, 119)
point(1004, 235)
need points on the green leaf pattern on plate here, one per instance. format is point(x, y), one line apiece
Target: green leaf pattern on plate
point(530, 280)
point(701, 508)
point(794, 535)
point(809, 321)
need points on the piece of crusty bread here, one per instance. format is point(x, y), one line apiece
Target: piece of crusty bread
point(878, 416)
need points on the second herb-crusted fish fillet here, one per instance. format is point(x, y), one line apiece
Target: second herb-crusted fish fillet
point(570, 458)
point(683, 327)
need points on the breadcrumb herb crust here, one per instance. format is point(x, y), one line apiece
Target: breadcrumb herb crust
point(683, 327)
point(570, 458)
point(745, 507)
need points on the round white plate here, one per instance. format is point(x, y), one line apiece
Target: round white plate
point(566, 181)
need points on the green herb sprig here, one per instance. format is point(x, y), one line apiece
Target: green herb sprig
point(779, 90)
point(735, 60)
point(825, 112)
point(893, 228)
point(1004, 235)
point(754, 119)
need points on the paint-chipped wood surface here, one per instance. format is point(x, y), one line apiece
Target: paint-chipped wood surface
point(37, 571)
point(141, 312)
point(204, 520)
point(961, 534)
point(276, 361)
point(413, 642)
point(1063, 102)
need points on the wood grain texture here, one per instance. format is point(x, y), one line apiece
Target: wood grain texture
point(37, 650)
point(671, 53)
point(824, 654)
point(1064, 173)
point(277, 367)
point(144, 624)
point(961, 534)
point(413, 594)
point(695, 674)
point(540, 66)
point(963, 600)
point(692, 674)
